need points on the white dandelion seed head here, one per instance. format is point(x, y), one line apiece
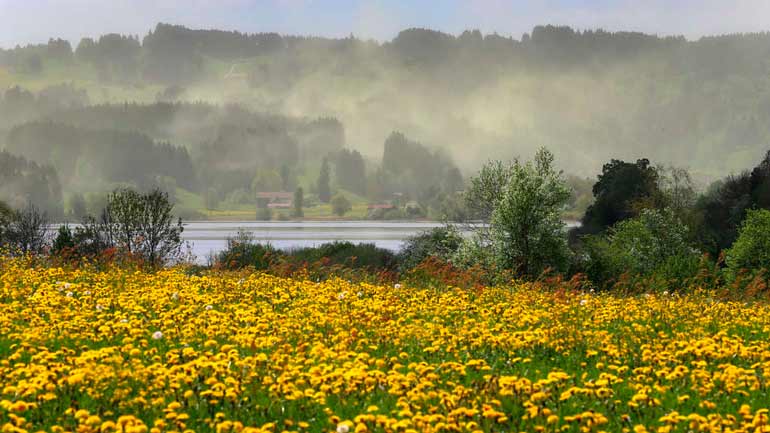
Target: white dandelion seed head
point(157, 335)
point(209, 307)
point(343, 428)
point(397, 286)
point(68, 294)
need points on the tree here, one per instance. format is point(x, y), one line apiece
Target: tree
point(64, 242)
point(161, 238)
point(285, 178)
point(140, 224)
point(752, 248)
point(6, 216)
point(678, 190)
point(324, 188)
point(120, 219)
point(527, 232)
point(723, 207)
point(266, 181)
point(621, 191)
point(78, 207)
point(28, 231)
point(484, 192)
point(415, 170)
point(340, 205)
point(298, 202)
point(350, 171)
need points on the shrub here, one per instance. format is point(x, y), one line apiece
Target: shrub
point(348, 254)
point(243, 251)
point(264, 214)
point(751, 251)
point(340, 205)
point(654, 243)
point(439, 242)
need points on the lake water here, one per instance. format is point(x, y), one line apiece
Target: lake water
point(210, 237)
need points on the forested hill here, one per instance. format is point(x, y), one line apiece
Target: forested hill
point(228, 102)
point(588, 95)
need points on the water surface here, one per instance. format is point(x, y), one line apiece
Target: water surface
point(209, 237)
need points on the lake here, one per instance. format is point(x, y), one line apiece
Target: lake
point(207, 237)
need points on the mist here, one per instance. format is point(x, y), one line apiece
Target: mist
point(218, 117)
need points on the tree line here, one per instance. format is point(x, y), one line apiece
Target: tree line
point(646, 222)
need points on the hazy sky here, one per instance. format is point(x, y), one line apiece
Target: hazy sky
point(24, 21)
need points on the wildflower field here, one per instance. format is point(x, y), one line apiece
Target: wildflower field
point(127, 351)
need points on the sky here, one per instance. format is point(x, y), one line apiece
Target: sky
point(34, 21)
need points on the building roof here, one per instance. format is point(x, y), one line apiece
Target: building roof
point(276, 195)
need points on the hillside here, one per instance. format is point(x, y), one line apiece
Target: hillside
point(589, 96)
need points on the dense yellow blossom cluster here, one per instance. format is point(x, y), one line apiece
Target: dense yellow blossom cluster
point(124, 351)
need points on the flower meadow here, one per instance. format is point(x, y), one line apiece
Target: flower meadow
point(119, 350)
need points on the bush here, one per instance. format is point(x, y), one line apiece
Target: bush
point(654, 243)
point(347, 254)
point(264, 214)
point(243, 251)
point(439, 242)
point(751, 251)
point(474, 252)
point(340, 205)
